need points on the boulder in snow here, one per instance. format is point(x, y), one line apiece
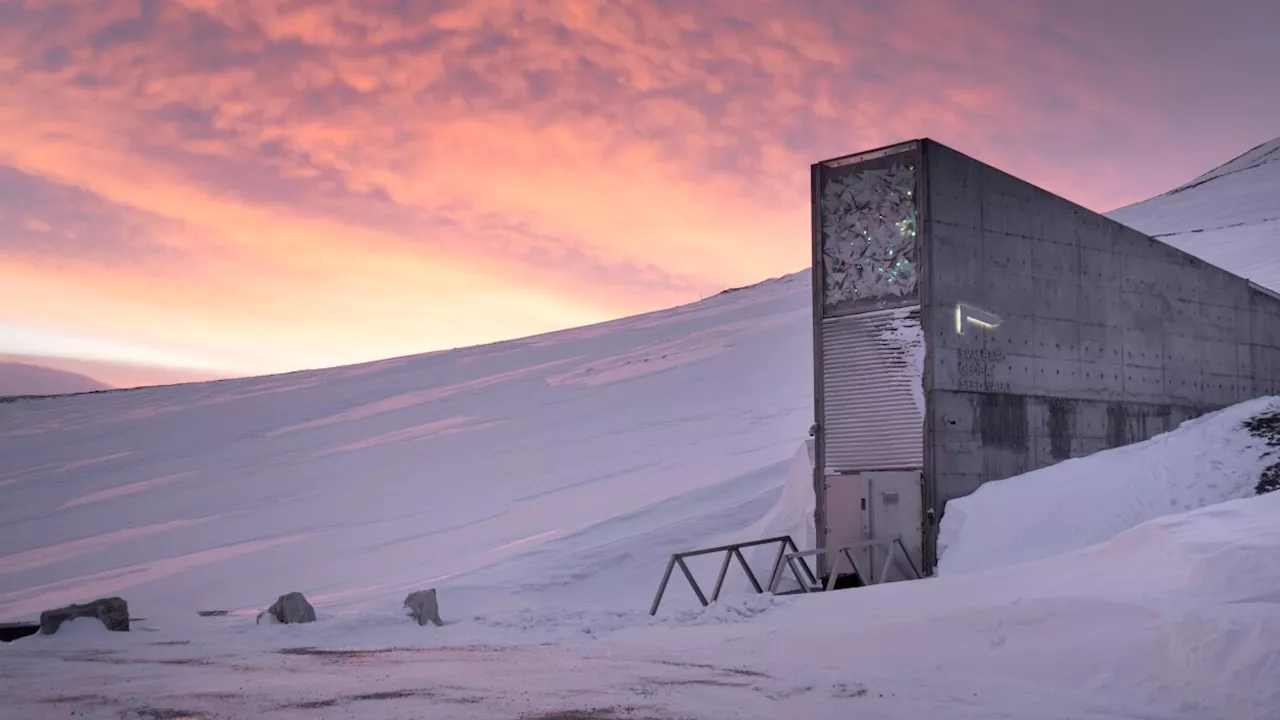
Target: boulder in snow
point(290, 608)
point(424, 607)
point(113, 612)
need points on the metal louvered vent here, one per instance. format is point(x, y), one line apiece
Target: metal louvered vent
point(872, 372)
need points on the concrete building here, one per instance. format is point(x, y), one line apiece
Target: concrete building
point(969, 326)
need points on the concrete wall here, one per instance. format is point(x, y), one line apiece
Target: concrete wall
point(1108, 336)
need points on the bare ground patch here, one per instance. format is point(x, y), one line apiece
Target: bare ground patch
point(206, 695)
point(744, 672)
point(339, 654)
point(112, 660)
point(706, 682)
point(57, 699)
point(433, 694)
point(601, 713)
point(348, 699)
point(442, 650)
point(148, 713)
point(472, 653)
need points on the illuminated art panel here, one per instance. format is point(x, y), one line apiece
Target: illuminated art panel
point(869, 235)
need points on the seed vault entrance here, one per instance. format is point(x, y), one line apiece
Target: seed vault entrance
point(1052, 332)
point(868, 353)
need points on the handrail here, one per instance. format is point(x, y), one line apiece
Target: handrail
point(893, 544)
point(733, 550)
point(794, 560)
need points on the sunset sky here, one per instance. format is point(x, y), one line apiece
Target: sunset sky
point(198, 188)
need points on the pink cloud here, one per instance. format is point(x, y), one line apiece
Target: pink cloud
point(350, 180)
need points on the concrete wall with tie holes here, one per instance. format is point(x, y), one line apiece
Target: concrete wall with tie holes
point(1105, 336)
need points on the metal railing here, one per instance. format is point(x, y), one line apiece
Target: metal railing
point(893, 545)
point(730, 552)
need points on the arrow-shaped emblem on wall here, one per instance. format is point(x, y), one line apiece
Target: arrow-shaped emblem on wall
point(966, 314)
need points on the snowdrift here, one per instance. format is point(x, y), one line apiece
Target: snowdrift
point(1177, 616)
point(1194, 595)
point(1084, 501)
point(793, 513)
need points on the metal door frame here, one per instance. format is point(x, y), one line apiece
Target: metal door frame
point(817, 288)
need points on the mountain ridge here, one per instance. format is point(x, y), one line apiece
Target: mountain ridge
point(21, 379)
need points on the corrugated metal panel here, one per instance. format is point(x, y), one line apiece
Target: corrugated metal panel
point(873, 416)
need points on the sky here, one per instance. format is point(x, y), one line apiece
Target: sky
point(198, 188)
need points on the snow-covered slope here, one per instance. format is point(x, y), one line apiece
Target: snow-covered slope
point(560, 469)
point(26, 379)
point(1230, 216)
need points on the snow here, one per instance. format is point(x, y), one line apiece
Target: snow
point(122, 490)
point(1083, 501)
point(1175, 618)
point(542, 484)
point(792, 516)
point(78, 633)
point(1229, 216)
point(907, 334)
point(549, 466)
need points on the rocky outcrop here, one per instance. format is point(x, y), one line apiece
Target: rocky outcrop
point(423, 607)
point(112, 612)
point(290, 608)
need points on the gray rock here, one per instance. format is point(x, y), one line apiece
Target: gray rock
point(113, 612)
point(290, 608)
point(423, 607)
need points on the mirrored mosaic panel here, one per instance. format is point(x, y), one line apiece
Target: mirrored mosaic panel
point(869, 235)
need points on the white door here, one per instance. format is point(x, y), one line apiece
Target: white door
point(894, 508)
point(845, 518)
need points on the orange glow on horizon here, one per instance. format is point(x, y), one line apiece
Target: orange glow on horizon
point(270, 186)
